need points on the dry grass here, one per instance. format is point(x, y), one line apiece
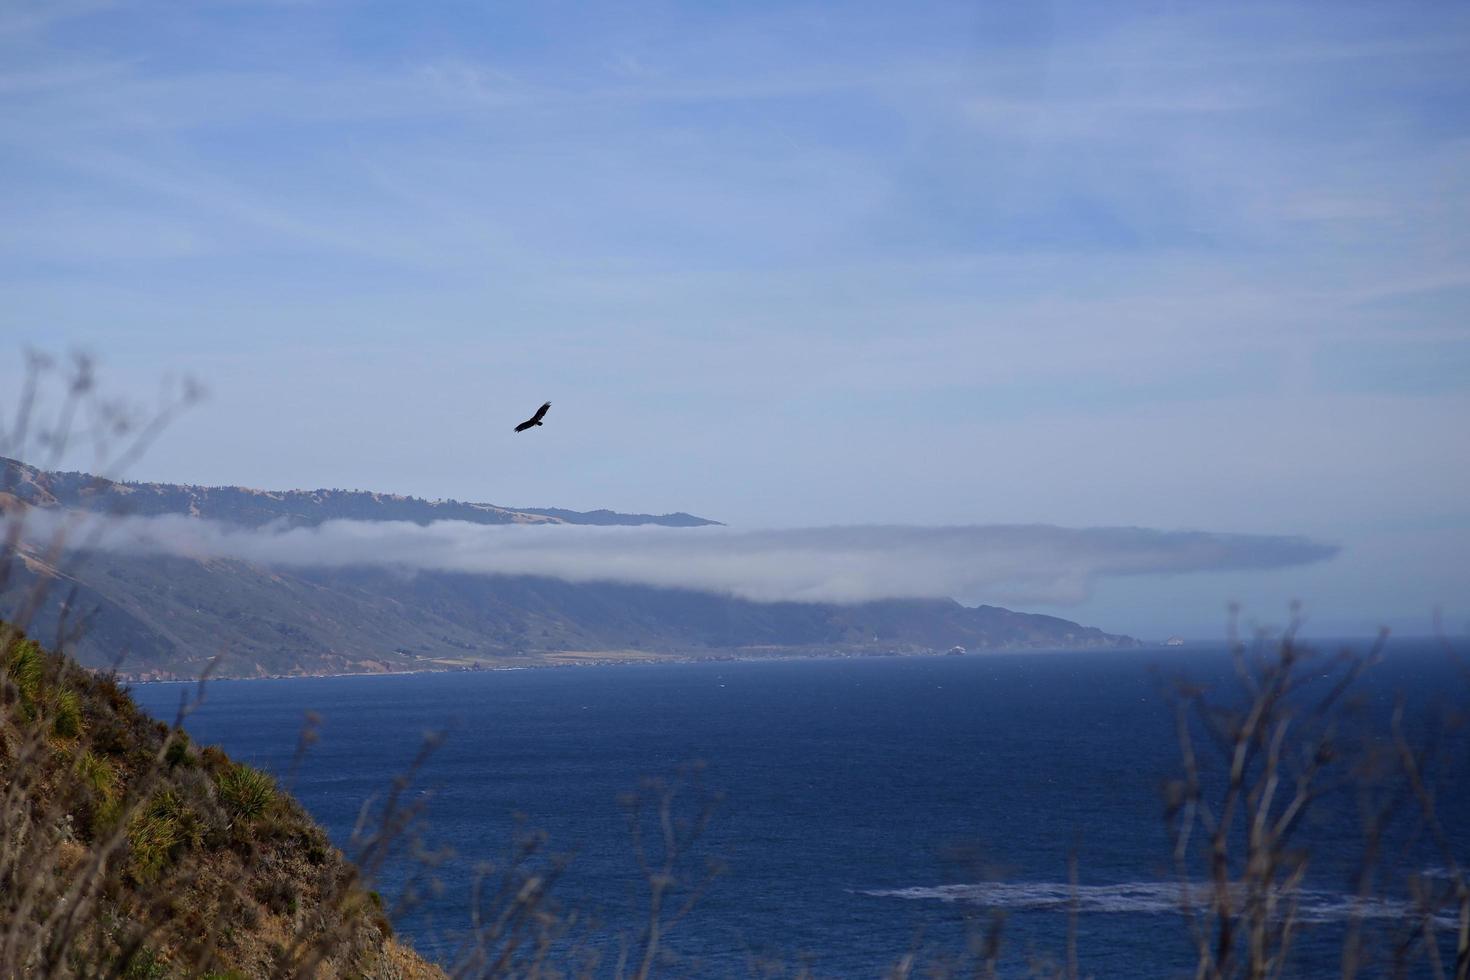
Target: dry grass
point(124, 849)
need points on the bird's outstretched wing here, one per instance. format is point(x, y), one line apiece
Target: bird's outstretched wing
point(534, 419)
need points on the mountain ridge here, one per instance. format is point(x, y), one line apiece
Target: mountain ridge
point(174, 614)
point(254, 507)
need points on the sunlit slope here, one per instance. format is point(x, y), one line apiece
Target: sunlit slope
point(174, 859)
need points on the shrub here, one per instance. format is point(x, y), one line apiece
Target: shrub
point(145, 965)
point(178, 750)
point(26, 667)
point(164, 828)
point(213, 758)
point(246, 792)
point(98, 774)
point(277, 894)
point(109, 735)
point(114, 695)
point(66, 720)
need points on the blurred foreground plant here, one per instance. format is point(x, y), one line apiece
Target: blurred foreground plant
point(1283, 747)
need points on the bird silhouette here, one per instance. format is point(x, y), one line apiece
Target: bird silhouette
point(534, 420)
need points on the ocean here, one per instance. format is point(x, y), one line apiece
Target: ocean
point(860, 810)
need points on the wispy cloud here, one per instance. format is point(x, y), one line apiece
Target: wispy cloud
point(945, 262)
point(1022, 564)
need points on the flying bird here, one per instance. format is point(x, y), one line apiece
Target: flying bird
point(534, 420)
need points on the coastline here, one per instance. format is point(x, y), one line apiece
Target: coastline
point(574, 659)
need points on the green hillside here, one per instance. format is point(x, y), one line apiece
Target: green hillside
point(127, 851)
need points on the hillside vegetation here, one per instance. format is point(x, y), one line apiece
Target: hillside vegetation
point(172, 615)
point(127, 851)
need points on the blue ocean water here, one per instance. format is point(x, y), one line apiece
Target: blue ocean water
point(869, 805)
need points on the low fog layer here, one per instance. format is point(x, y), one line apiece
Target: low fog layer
point(991, 563)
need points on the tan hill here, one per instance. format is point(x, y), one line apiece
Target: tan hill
point(127, 851)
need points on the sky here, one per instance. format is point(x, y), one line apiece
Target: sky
point(1181, 267)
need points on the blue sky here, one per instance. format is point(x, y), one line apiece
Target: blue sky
point(1179, 266)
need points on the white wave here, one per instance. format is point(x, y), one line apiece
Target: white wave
point(1154, 898)
point(1439, 873)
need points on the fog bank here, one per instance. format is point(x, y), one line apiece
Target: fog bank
point(1016, 564)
